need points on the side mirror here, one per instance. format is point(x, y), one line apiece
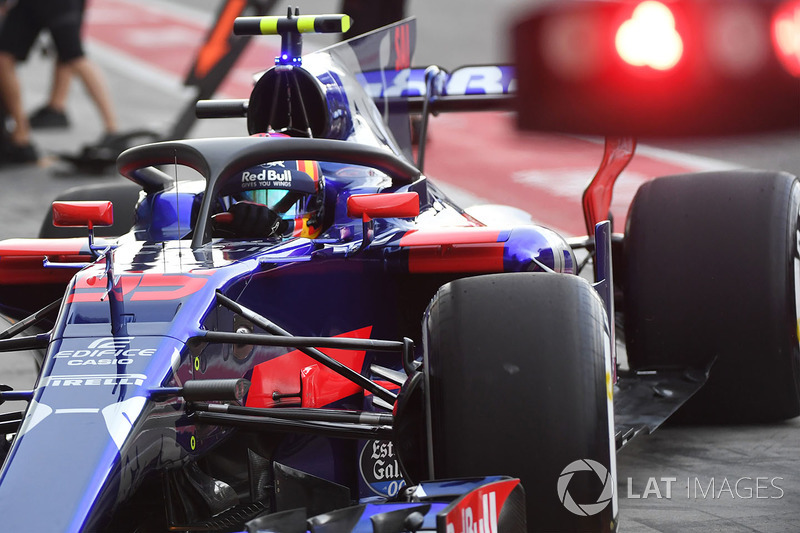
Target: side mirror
point(383, 205)
point(83, 214)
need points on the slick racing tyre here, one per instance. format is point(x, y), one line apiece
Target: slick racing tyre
point(519, 379)
point(713, 275)
point(123, 195)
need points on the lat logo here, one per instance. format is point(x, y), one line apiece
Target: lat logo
point(593, 469)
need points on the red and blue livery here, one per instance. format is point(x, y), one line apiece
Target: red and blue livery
point(301, 332)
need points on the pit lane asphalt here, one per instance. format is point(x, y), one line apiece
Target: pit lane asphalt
point(762, 459)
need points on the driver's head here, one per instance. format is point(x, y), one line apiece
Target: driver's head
point(291, 189)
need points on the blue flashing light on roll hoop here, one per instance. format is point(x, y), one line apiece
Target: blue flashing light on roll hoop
point(301, 332)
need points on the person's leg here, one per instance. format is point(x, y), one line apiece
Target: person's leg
point(53, 113)
point(12, 99)
point(17, 36)
point(66, 32)
point(59, 90)
point(95, 85)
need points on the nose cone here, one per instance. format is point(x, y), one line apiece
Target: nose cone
point(79, 449)
point(65, 464)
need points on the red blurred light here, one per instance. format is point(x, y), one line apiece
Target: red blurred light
point(786, 36)
point(649, 37)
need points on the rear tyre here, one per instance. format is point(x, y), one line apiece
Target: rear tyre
point(124, 195)
point(519, 374)
point(713, 275)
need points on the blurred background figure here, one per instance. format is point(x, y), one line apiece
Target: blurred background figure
point(53, 114)
point(24, 21)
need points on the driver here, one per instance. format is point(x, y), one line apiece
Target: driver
point(275, 199)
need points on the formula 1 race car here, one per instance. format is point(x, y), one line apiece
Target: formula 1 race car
point(300, 332)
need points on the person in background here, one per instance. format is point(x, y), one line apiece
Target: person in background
point(24, 20)
point(53, 114)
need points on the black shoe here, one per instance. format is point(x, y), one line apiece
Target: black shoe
point(47, 117)
point(12, 154)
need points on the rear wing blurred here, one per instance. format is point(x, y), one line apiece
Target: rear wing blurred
point(419, 92)
point(468, 88)
point(433, 90)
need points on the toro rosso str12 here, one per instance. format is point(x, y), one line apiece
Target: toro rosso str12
point(300, 332)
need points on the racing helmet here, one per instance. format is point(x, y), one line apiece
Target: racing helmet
point(291, 189)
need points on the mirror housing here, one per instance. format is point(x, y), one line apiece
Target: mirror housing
point(380, 205)
point(83, 214)
point(383, 205)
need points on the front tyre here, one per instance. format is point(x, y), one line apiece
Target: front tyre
point(713, 276)
point(520, 385)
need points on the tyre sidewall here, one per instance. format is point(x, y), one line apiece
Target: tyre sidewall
point(712, 278)
point(519, 374)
